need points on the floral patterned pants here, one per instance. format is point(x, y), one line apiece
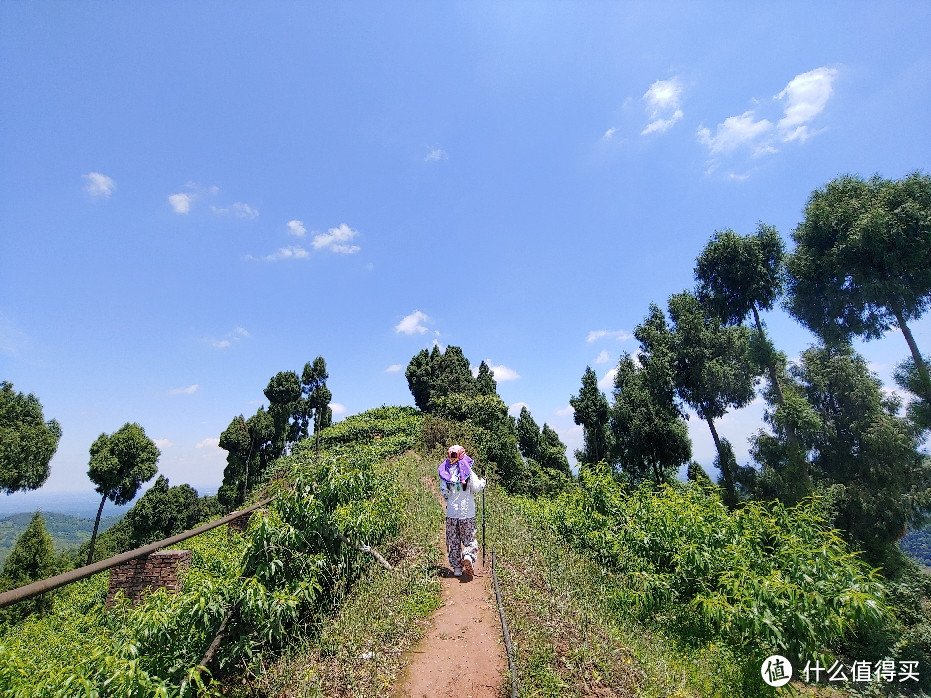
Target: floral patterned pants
point(460, 533)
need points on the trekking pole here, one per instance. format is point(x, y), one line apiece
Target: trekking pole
point(483, 528)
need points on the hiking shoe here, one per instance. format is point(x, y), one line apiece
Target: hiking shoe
point(457, 572)
point(467, 566)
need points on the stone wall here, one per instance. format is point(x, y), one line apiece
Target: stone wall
point(158, 570)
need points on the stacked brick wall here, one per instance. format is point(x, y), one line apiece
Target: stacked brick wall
point(158, 570)
point(240, 523)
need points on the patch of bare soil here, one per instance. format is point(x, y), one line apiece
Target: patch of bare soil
point(462, 654)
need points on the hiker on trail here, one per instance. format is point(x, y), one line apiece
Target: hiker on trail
point(457, 485)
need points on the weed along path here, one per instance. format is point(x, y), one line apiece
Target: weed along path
point(462, 654)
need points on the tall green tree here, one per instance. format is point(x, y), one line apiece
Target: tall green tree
point(528, 434)
point(738, 275)
point(485, 383)
point(862, 262)
point(119, 463)
point(592, 413)
point(544, 455)
point(713, 372)
point(250, 446)
point(284, 394)
point(27, 441)
point(31, 559)
point(864, 450)
point(650, 437)
point(316, 394)
point(163, 511)
point(435, 374)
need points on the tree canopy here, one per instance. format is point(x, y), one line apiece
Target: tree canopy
point(862, 261)
point(591, 412)
point(119, 463)
point(27, 441)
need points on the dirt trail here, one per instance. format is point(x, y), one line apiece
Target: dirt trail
point(462, 654)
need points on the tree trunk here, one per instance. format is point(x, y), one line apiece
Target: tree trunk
point(777, 389)
point(90, 553)
point(774, 381)
point(727, 474)
point(916, 356)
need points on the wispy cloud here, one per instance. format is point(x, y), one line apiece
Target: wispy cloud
point(760, 130)
point(603, 357)
point(238, 209)
point(609, 134)
point(805, 97)
point(209, 442)
point(335, 240)
point(662, 102)
point(181, 203)
point(296, 228)
point(435, 155)
point(565, 411)
point(162, 444)
point(412, 323)
point(737, 132)
point(337, 408)
point(394, 368)
point(619, 335)
point(503, 373)
point(289, 252)
point(190, 390)
point(99, 185)
point(234, 337)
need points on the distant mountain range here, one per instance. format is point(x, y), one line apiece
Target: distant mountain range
point(67, 531)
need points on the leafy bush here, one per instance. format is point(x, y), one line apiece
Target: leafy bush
point(759, 579)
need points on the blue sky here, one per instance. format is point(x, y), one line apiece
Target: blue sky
point(195, 196)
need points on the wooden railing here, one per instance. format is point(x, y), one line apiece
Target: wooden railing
point(27, 592)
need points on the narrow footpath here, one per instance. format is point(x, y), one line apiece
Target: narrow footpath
point(462, 655)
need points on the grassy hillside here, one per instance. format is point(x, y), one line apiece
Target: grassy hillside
point(68, 532)
point(608, 591)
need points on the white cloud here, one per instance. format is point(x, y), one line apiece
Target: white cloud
point(394, 368)
point(181, 203)
point(296, 228)
point(607, 381)
point(412, 323)
point(234, 337)
point(805, 97)
point(162, 444)
point(516, 408)
point(565, 411)
point(190, 390)
point(290, 252)
point(99, 184)
point(241, 210)
point(503, 373)
point(435, 155)
point(619, 335)
point(735, 132)
point(662, 105)
point(609, 134)
point(337, 408)
point(603, 357)
point(335, 238)
point(209, 442)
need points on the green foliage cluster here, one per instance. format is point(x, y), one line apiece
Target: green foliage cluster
point(31, 559)
point(27, 441)
point(254, 443)
point(917, 545)
point(444, 389)
point(297, 561)
point(759, 579)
